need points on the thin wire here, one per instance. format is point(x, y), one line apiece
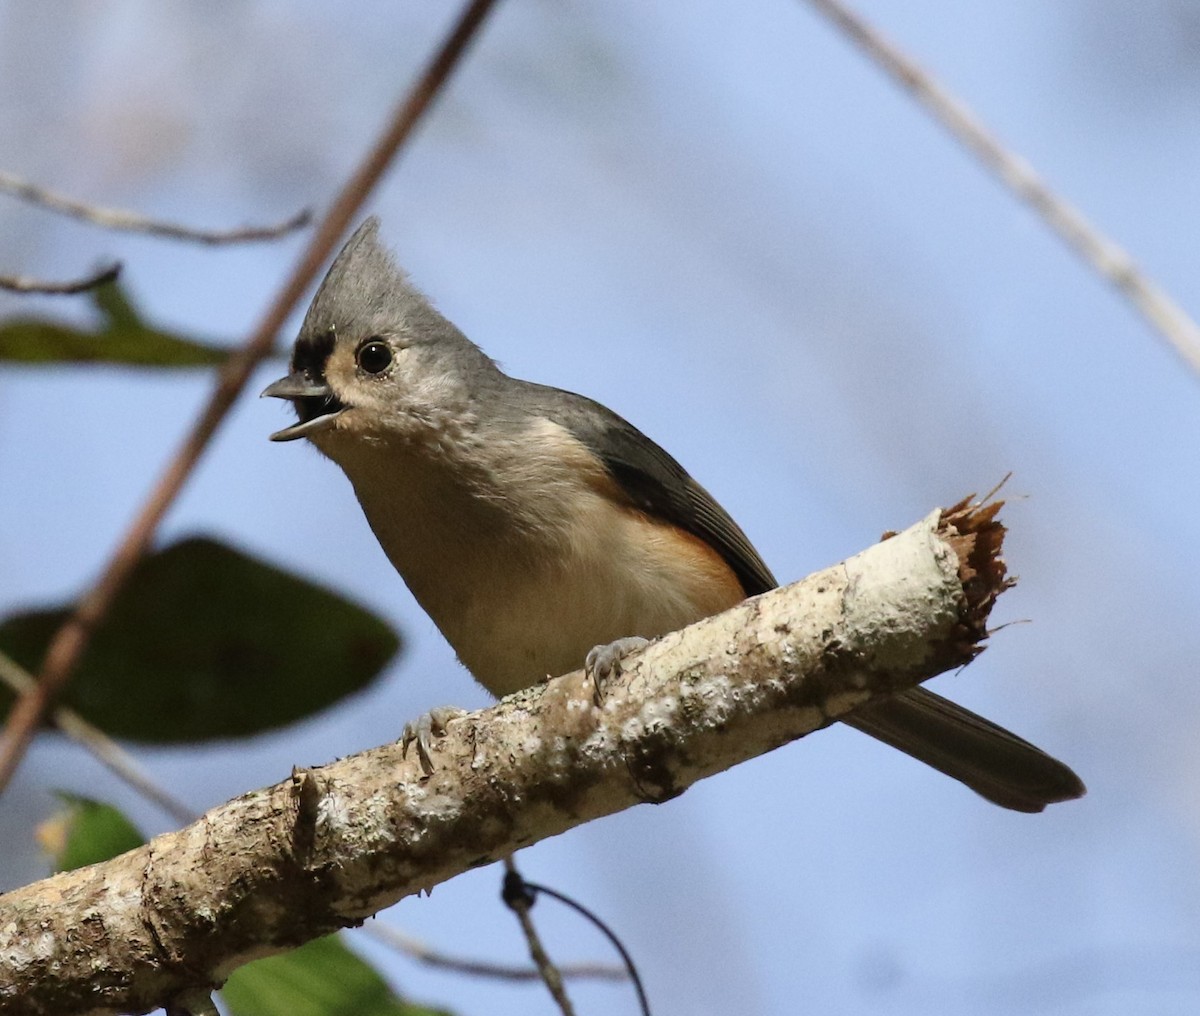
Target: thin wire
point(516, 888)
point(520, 901)
point(609, 934)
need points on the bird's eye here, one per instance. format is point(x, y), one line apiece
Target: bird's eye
point(375, 357)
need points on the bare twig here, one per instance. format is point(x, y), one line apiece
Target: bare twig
point(133, 222)
point(418, 950)
point(72, 638)
point(102, 747)
point(1107, 258)
point(530, 890)
point(26, 284)
point(521, 904)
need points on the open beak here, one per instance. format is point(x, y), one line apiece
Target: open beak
point(315, 403)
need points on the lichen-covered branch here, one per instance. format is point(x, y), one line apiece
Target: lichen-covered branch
point(334, 844)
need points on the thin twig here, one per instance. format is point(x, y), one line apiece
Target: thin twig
point(102, 747)
point(27, 284)
point(990, 496)
point(1108, 259)
point(133, 222)
point(550, 974)
point(606, 931)
point(72, 638)
point(418, 950)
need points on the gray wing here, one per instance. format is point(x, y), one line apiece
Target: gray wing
point(654, 482)
point(993, 762)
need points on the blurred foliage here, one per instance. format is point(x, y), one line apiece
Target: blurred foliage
point(84, 831)
point(321, 978)
point(207, 642)
point(121, 337)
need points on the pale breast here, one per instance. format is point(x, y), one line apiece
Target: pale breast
point(622, 575)
point(526, 572)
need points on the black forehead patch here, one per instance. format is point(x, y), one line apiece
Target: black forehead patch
point(311, 352)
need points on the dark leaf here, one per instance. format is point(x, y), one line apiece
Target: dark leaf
point(116, 307)
point(121, 337)
point(208, 642)
point(321, 978)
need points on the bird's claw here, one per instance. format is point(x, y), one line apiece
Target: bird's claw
point(426, 727)
point(604, 662)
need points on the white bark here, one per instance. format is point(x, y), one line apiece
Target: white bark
point(335, 844)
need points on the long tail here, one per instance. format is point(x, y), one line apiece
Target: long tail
point(991, 761)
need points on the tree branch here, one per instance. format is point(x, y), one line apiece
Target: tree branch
point(71, 640)
point(335, 844)
point(133, 222)
point(1107, 258)
point(68, 287)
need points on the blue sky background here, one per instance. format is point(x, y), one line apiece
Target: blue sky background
point(718, 219)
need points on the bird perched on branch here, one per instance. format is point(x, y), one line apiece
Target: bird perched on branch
point(538, 528)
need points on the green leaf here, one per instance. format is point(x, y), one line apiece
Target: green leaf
point(113, 302)
point(321, 978)
point(208, 642)
point(122, 337)
point(86, 831)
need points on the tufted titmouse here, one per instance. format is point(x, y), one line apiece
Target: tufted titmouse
point(536, 526)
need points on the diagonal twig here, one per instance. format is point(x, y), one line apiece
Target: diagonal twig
point(72, 638)
point(418, 950)
point(1107, 258)
point(552, 977)
point(27, 284)
point(133, 222)
point(101, 747)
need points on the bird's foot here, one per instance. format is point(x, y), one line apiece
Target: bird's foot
point(426, 727)
point(604, 662)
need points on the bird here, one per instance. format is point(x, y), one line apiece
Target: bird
point(539, 529)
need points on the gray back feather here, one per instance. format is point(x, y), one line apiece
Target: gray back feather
point(653, 480)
